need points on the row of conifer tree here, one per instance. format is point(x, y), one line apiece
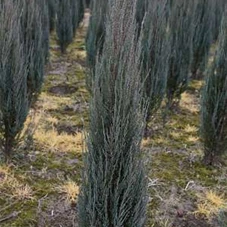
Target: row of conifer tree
point(140, 54)
point(25, 27)
point(177, 39)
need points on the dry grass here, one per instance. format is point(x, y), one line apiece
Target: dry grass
point(63, 142)
point(189, 103)
point(210, 204)
point(193, 139)
point(48, 102)
point(12, 188)
point(70, 190)
point(22, 192)
point(191, 129)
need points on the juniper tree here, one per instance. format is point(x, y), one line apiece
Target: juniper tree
point(52, 14)
point(214, 102)
point(44, 12)
point(218, 10)
point(81, 8)
point(88, 2)
point(155, 54)
point(141, 9)
point(77, 7)
point(64, 25)
point(202, 37)
point(168, 8)
point(113, 191)
point(75, 14)
point(180, 32)
point(13, 76)
point(96, 32)
point(33, 36)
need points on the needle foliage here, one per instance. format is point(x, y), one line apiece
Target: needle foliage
point(214, 102)
point(113, 191)
point(64, 25)
point(14, 103)
point(180, 29)
point(202, 37)
point(155, 54)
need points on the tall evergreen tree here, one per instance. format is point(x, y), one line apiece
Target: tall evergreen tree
point(52, 14)
point(13, 76)
point(64, 24)
point(88, 2)
point(33, 36)
point(44, 12)
point(96, 32)
point(113, 191)
point(155, 54)
point(218, 7)
point(202, 37)
point(214, 102)
point(81, 9)
point(77, 7)
point(180, 30)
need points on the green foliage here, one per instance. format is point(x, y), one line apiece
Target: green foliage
point(155, 54)
point(77, 7)
point(52, 14)
point(33, 30)
point(81, 8)
point(88, 2)
point(96, 32)
point(222, 218)
point(218, 10)
point(113, 191)
point(64, 25)
point(202, 37)
point(180, 35)
point(45, 26)
point(141, 9)
point(214, 101)
point(69, 15)
point(13, 76)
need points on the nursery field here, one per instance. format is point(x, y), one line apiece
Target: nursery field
point(40, 186)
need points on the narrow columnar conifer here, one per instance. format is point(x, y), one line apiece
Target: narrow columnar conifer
point(14, 104)
point(214, 102)
point(33, 36)
point(81, 8)
point(96, 32)
point(77, 7)
point(202, 37)
point(88, 2)
point(180, 31)
point(155, 54)
point(52, 14)
point(64, 24)
point(218, 10)
point(113, 191)
point(75, 14)
point(43, 4)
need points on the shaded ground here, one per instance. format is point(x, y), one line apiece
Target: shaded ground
point(40, 187)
